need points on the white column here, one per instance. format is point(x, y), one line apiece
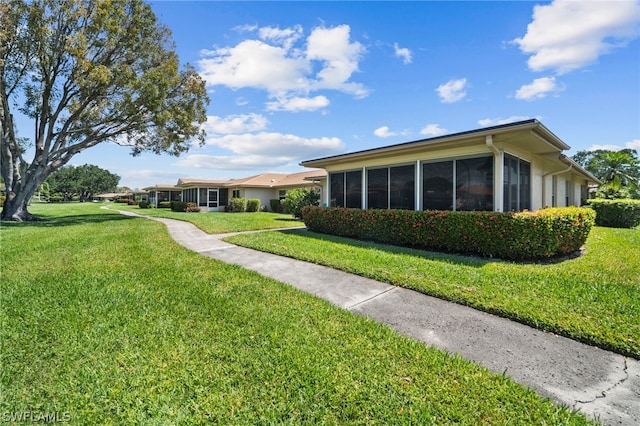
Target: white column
point(418, 186)
point(498, 175)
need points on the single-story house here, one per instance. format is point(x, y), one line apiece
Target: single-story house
point(160, 193)
point(214, 195)
point(511, 167)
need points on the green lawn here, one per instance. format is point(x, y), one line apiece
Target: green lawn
point(104, 319)
point(219, 222)
point(594, 298)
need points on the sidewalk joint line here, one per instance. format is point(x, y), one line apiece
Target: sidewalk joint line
point(370, 298)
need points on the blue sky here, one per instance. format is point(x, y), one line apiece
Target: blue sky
point(291, 81)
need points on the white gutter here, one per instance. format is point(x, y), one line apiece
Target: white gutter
point(557, 172)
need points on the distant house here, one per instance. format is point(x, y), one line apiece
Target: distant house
point(160, 193)
point(214, 195)
point(511, 167)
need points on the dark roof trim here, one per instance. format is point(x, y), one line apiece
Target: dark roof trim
point(532, 123)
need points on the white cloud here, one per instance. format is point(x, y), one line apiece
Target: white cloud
point(296, 104)
point(538, 89)
point(568, 34)
point(285, 38)
point(452, 91)
point(433, 130)
point(340, 56)
point(403, 52)
point(385, 132)
point(234, 124)
point(274, 64)
point(255, 64)
point(277, 145)
point(488, 122)
point(634, 144)
point(226, 162)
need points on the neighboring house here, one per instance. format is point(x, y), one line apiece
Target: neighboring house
point(214, 195)
point(512, 167)
point(160, 193)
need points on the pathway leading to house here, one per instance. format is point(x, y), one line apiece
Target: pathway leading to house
point(602, 384)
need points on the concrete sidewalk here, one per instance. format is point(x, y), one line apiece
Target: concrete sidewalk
point(601, 384)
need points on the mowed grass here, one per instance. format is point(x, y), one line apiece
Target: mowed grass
point(106, 320)
point(594, 298)
point(219, 222)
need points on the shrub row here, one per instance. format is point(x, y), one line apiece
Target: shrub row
point(182, 206)
point(620, 213)
point(241, 204)
point(125, 201)
point(515, 236)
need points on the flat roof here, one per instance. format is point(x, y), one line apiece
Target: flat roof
point(536, 128)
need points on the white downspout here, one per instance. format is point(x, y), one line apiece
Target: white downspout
point(557, 172)
point(498, 175)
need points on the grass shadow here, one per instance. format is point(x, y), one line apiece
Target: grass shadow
point(466, 259)
point(292, 219)
point(70, 220)
point(452, 258)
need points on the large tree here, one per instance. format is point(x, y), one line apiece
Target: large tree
point(618, 170)
point(87, 72)
point(84, 181)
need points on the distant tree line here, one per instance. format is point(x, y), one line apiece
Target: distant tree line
point(619, 171)
point(82, 183)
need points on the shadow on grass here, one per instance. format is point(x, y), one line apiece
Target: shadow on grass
point(466, 259)
point(71, 220)
point(291, 219)
point(452, 258)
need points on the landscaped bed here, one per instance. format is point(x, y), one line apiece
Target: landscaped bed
point(592, 298)
point(105, 319)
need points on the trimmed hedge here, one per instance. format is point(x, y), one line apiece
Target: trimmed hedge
point(253, 205)
point(620, 213)
point(164, 204)
point(275, 205)
point(514, 236)
point(183, 206)
point(237, 205)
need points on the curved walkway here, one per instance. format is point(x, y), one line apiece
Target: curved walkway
point(601, 384)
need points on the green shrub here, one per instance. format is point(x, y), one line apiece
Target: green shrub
point(297, 199)
point(178, 206)
point(164, 204)
point(143, 204)
point(514, 236)
point(619, 213)
point(276, 205)
point(2, 198)
point(237, 204)
point(253, 205)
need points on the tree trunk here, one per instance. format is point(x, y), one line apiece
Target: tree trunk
point(16, 210)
